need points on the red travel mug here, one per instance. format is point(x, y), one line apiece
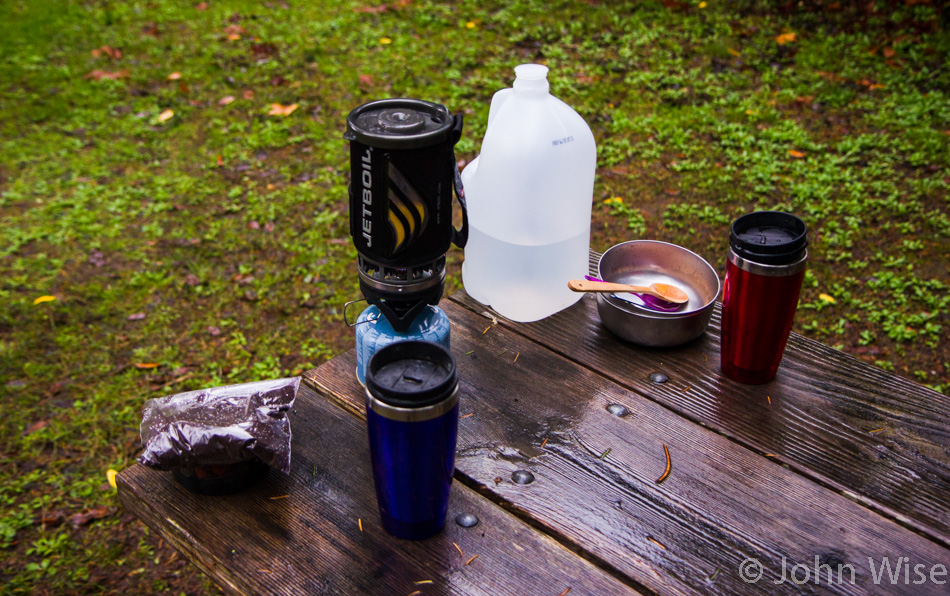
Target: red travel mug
point(767, 259)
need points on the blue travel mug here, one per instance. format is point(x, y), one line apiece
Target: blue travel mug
point(412, 418)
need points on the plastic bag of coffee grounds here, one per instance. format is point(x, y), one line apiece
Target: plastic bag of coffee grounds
point(217, 427)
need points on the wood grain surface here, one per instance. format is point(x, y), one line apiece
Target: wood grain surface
point(300, 534)
point(596, 475)
point(880, 439)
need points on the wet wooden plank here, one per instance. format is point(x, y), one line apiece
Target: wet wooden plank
point(300, 534)
point(596, 473)
point(883, 440)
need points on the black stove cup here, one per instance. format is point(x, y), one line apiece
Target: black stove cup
point(403, 172)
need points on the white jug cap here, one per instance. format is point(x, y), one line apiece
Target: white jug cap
point(531, 76)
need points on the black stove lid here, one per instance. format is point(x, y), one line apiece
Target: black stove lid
point(399, 124)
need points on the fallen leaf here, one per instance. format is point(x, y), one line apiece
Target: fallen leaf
point(202, 6)
point(269, 226)
point(110, 476)
point(136, 316)
point(43, 299)
point(166, 115)
point(796, 154)
point(36, 426)
point(192, 280)
point(147, 365)
point(827, 298)
point(248, 94)
point(734, 52)
point(81, 519)
point(888, 52)
point(98, 75)
point(50, 519)
point(174, 76)
point(366, 80)
point(385, 41)
point(875, 86)
point(234, 32)
point(107, 51)
point(277, 109)
point(225, 100)
point(785, 38)
point(263, 50)
point(183, 88)
point(619, 170)
point(372, 9)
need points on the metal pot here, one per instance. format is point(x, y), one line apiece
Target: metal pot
point(642, 262)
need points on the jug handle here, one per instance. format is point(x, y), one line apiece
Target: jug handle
point(459, 237)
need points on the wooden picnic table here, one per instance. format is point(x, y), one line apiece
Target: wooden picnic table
point(836, 469)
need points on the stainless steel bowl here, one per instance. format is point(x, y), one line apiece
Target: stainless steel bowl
point(643, 262)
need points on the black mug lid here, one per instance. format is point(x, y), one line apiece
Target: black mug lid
point(399, 124)
point(411, 374)
point(769, 237)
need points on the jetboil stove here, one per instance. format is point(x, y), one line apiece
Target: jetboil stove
point(403, 172)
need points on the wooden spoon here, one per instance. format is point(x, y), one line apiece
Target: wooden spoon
point(661, 291)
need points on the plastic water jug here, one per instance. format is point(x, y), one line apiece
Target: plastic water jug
point(529, 195)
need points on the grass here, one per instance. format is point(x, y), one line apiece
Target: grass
point(213, 242)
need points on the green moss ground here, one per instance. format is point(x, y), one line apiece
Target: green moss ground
point(212, 241)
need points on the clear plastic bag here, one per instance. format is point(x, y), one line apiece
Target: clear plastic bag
point(220, 426)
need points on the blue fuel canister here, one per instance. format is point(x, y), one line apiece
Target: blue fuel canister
point(374, 331)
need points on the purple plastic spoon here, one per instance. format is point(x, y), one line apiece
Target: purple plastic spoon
point(644, 300)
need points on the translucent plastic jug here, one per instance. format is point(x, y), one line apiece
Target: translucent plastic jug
point(529, 197)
